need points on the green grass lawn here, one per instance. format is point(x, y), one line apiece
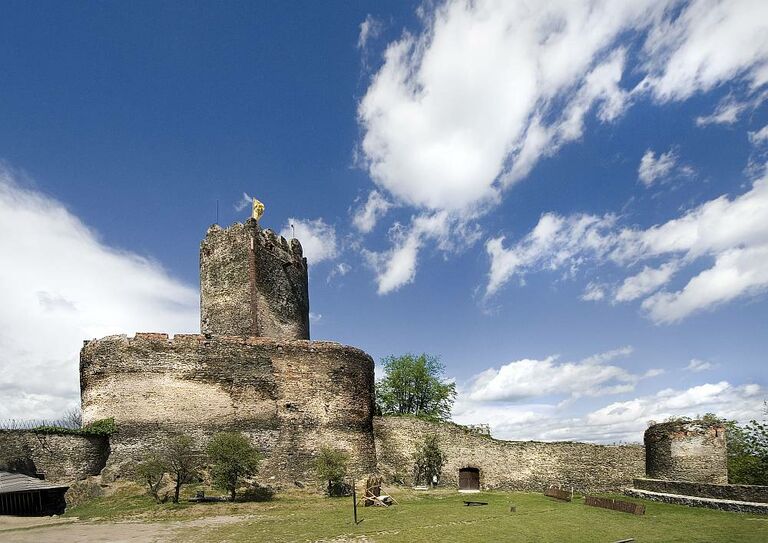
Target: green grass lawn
point(431, 516)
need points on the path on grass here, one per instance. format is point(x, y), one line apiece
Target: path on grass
point(37, 530)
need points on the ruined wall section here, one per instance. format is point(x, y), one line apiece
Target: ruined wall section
point(687, 451)
point(253, 283)
point(509, 465)
point(289, 397)
point(61, 457)
point(744, 493)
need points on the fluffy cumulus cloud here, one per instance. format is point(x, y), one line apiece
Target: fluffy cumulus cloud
point(528, 378)
point(616, 421)
point(318, 239)
point(66, 285)
point(730, 233)
point(468, 105)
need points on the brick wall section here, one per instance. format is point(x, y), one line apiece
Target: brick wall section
point(61, 457)
point(253, 283)
point(744, 493)
point(687, 451)
point(289, 396)
point(514, 465)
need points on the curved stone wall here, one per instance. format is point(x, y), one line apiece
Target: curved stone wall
point(510, 465)
point(687, 451)
point(291, 397)
point(60, 457)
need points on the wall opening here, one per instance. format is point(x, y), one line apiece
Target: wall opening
point(469, 479)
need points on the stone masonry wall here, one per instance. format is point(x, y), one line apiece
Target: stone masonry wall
point(289, 397)
point(61, 457)
point(514, 465)
point(253, 283)
point(744, 493)
point(687, 451)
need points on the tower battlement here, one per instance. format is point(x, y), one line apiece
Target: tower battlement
point(253, 282)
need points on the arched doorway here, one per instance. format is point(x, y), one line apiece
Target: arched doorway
point(469, 479)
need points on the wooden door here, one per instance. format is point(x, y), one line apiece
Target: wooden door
point(469, 479)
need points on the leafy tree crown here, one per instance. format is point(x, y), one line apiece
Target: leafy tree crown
point(414, 385)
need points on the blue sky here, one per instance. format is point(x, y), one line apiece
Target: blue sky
point(568, 204)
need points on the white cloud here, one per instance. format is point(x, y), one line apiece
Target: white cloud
point(375, 207)
point(555, 242)
point(593, 293)
point(623, 420)
point(315, 317)
point(696, 365)
point(397, 266)
point(736, 273)
point(760, 136)
point(370, 28)
point(339, 270)
point(709, 43)
point(468, 105)
point(523, 379)
point(645, 282)
point(652, 168)
point(732, 231)
point(318, 239)
point(245, 201)
point(59, 285)
point(726, 112)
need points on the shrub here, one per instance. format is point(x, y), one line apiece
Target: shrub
point(233, 457)
point(428, 461)
point(331, 466)
point(256, 493)
point(151, 472)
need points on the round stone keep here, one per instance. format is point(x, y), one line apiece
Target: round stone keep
point(687, 451)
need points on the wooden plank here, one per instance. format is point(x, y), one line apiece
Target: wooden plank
point(615, 505)
point(558, 493)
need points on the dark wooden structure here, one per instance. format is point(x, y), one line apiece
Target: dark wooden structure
point(616, 505)
point(554, 492)
point(469, 479)
point(28, 496)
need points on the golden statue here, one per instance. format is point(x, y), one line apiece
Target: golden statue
point(257, 210)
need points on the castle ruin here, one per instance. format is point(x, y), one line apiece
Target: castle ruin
point(253, 369)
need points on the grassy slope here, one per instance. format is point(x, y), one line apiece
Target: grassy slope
point(437, 516)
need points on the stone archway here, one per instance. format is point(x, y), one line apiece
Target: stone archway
point(469, 479)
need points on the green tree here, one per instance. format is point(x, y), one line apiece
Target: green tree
point(183, 462)
point(747, 450)
point(331, 466)
point(414, 385)
point(233, 457)
point(428, 461)
point(151, 471)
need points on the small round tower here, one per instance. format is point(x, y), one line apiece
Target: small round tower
point(687, 451)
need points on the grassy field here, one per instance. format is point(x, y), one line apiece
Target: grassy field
point(422, 516)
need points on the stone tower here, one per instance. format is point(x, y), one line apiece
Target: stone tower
point(253, 283)
point(687, 451)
